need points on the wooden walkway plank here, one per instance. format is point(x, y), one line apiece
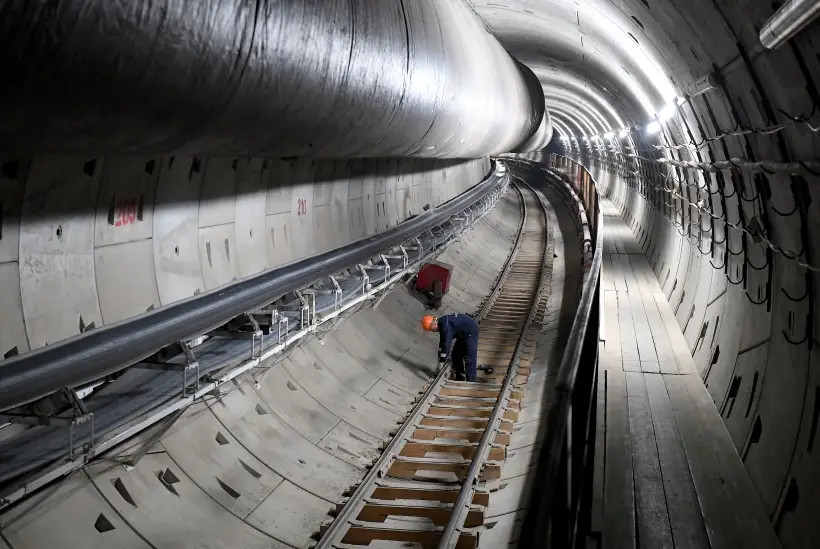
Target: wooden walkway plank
point(607, 275)
point(619, 493)
point(686, 365)
point(650, 366)
point(618, 273)
point(611, 355)
point(632, 365)
point(754, 524)
point(643, 335)
point(629, 345)
point(644, 273)
point(685, 517)
point(721, 522)
point(663, 347)
point(650, 500)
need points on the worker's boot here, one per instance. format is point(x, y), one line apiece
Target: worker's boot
point(460, 377)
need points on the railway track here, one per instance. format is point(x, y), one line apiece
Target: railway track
point(431, 486)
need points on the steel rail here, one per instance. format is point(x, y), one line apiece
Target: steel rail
point(450, 534)
point(93, 355)
point(353, 505)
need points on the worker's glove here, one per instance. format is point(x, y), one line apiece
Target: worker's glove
point(442, 357)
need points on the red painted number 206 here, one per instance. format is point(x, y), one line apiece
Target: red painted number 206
point(301, 207)
point(125, 212)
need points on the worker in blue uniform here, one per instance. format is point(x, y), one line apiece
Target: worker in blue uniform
point(460, 331)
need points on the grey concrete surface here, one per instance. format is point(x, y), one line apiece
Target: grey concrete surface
point(609, 65)
point(262, 465)
point(603, 65)
point(184, 226)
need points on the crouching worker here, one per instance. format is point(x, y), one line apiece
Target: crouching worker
point(462, 332)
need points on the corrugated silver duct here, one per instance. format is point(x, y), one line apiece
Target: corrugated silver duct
point(542, 135)
point(541, 138)
point(332, 78)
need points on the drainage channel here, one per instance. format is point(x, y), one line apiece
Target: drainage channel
point(431, 485)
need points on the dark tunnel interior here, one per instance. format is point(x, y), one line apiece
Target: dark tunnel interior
point(154, 152)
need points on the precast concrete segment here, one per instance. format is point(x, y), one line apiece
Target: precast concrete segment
point(265, 462)
point(380, 79)
point(168, 228)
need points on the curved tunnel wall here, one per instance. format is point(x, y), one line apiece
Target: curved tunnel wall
point(320, 78)
point(92, 241)
point(262, 465)
point(749, 313)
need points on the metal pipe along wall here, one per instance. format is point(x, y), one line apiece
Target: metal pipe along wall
point(320, 78)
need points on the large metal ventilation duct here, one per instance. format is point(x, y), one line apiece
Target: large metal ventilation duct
point(329, 78)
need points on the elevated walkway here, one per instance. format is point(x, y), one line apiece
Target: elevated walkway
point(667, 473)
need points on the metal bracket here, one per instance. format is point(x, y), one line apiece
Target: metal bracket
point(191, 363)
point(403, 257)
point(79, 416)
point(366, 277)
point(386, 268)
point(153, 439)
point(307, 315)
point(339, 295)
point(257, 333)
point(280, 319)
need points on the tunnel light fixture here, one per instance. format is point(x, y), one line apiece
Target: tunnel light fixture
point(653, 127)
point(609, 135)
point(623, 133)
point(703, 84)
point(792, 17)
point(667, 112)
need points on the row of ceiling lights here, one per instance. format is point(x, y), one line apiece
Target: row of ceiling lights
point(652, 127)
point(789, 20)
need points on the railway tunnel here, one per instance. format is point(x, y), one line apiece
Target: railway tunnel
point(212, 211)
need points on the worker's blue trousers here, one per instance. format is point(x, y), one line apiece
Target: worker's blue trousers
point(465, 356)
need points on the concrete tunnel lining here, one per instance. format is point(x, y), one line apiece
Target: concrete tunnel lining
point(328, 404)
point(740, 348)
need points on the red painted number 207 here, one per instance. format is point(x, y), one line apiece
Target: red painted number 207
point(301, 207)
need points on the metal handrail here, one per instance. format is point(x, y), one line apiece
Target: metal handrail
point(537, 526)
point(106, 350)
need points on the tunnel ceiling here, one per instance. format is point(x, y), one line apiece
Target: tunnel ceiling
point(600, 68)
point(606, 64)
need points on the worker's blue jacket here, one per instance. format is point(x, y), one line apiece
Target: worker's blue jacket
point(455, 326)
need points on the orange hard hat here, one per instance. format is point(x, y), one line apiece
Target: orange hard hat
point(427, 322)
